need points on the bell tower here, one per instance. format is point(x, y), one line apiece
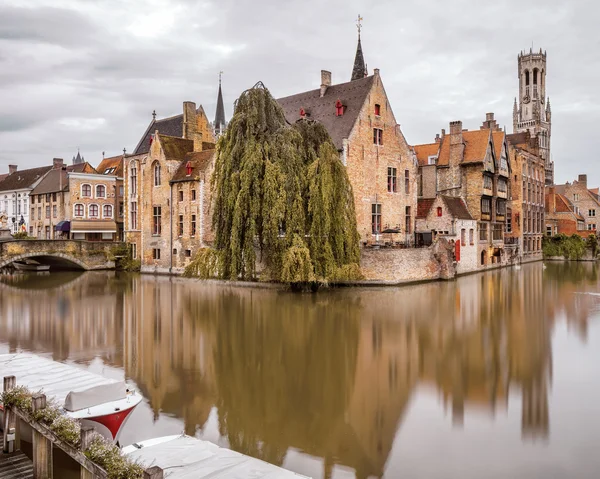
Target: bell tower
point(532, 110)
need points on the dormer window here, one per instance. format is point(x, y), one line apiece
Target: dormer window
point(339, 108)
point(439, 211)
point(302, 113)
point(188, 169)
point(377, 110)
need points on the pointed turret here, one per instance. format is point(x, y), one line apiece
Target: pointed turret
point(220, 113)
point(78, 159)
point(359, 70)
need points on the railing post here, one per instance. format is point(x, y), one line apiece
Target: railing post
point(87, 434)
point(10, 420)
point(42, 447)
point(154, 472)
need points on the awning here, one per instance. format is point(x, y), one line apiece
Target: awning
point(64, 226)
point(91, 226)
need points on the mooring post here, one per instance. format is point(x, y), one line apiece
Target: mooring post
point(154, 472)
point(10, 420)
point(87, 434)
point(42, 447)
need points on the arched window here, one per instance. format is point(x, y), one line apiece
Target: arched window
point(156, 174)
point(86, 191)
point(535, 76)
point(93, 211)
point(483, 258)
point(100, 191)
point(78, 210)
point(526, 77)
point(133, 176)
point(107, 211)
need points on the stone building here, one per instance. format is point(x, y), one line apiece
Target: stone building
point(472, 165)
point(166, 191)
point(526, 224)
point(381, 166)
point(15, 189)
point(113, 166)
point(448, 217)
point(560, 215)
point(585, 202)
point(532, 112)
point(74, 202)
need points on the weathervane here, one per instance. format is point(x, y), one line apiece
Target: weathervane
point(359, 23)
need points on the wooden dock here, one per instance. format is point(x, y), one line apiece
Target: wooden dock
point(15, 465)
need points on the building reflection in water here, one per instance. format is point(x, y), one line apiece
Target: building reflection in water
point(332, 374)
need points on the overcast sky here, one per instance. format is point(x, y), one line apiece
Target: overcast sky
point(88, 73)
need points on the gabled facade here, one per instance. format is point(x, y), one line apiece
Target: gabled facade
point(113, 166)
point(561, 217)
point(381, 166)
point(166, 193)
point(472, 165)
point(585, 202)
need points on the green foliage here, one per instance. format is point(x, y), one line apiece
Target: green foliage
point(274, 185)
point(297, 265)
point(109, 457)
point(570, 247)
point(131, 265)
point(18, 397)
point(205, 264)
point(592, 243)
point(22, 235)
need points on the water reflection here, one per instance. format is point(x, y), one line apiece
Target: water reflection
point(331, 375)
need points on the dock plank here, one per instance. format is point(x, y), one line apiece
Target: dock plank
point(15, 466)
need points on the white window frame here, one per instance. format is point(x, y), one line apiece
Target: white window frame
point(112, 211)
point(75, 215)
point(96, 191)
point(90, 208)
point(81, 190)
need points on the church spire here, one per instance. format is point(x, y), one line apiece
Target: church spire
point(359, 70)
point(220, 113)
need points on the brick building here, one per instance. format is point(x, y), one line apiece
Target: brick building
point(472, 165)
point(560, 215)
point(381, 166)
point(74, 202)
point(167, 215)
point(113, 166)
point(526, 224)
point(585, 201)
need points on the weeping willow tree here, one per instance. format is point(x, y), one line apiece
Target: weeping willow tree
point(281, 191)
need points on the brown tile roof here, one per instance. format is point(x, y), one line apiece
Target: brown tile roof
point(423, 206)
point(200, 161)
point(175, 148)
point(595, 193)
point(111, 166)
point(84, 167)
point(423, 152)
point(476, 143)
point(457, 207)
point(352, 95)
point(3, 176)
point(498, 139)
point(172, 126)
point(56, 180)
point(24, 178)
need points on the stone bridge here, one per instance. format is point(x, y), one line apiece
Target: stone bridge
point(86, 255)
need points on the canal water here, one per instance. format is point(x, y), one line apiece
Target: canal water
point(493, 375)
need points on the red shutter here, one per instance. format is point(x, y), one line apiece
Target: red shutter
point(457, 250)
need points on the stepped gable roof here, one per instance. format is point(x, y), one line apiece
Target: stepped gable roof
point(23, 179)
point(352, 94)
point(200, 161)
point(172, 126)
point(457, 208)
point(423, 206)
point(423, 152)
point(111, 166)
point(476, 143)
point(175, 148)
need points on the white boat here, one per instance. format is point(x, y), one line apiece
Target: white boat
point(103, 403)
point(186, 457)
point(30, 266)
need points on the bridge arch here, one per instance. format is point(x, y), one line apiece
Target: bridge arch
point(63, 259)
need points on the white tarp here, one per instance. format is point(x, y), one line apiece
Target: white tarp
point(189, 458)
point(95, 396)
point(56, 380)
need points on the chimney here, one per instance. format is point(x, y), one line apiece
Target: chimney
point(550, 200)
point(456, 143)
point(437, 138)
point(489, 117)
point(190, 125)
point(57, 163)
point(12, 169)
point(325, 81)
point(376, 72)
point(443, 132)
point(583, 179)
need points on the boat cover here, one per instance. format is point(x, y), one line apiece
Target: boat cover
point(95, 396)
point(189, 458)
point(56, 380)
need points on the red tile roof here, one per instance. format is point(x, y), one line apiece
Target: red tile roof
point(423, 206)
point(111, 166)
point(476, 144)
point(498, 138)
point(423, 152)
